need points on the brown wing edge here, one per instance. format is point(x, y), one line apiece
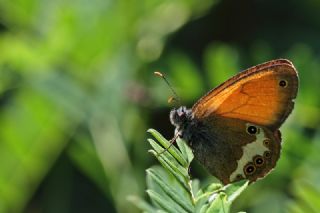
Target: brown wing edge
point(288, 111)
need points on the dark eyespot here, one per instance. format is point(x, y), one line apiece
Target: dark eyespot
point(249, 169)
point(258, 161)
point(283, 83)
point(239, 177)
point(266, 142)
point(267, 154)
point(252, 130)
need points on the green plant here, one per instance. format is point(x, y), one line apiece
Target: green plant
point(171, 189)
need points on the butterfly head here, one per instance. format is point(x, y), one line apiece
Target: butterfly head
point(180, 118)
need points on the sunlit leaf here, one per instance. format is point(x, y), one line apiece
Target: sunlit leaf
point(174, 191)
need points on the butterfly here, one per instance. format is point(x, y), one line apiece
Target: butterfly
point(233, 130)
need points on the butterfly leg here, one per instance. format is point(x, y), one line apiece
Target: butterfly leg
point(171, 142)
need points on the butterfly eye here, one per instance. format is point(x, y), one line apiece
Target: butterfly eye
point(283, 83)
point(258, 161)
point(267, 154)
point(249, 169)
point(252, 130)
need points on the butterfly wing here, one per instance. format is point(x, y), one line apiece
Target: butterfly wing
point(262, 94)
point(230, 153)
point(240, 120)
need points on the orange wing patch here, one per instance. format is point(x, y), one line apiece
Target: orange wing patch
point(256, 101)
point(255, 95)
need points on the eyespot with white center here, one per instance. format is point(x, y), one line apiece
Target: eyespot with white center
point(258, 161)
point(249, 169)
point(252, 130)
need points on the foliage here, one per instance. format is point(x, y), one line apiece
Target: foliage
point(171, 189)
point(66, 69)
point(77, 95)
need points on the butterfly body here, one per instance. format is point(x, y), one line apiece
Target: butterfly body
point(233, 129)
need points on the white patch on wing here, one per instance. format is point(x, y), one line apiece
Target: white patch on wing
point(249, 151)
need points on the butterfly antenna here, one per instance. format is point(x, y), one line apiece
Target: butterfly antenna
point(176, 97)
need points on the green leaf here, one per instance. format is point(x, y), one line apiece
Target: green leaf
point(164, 202)
point(165, 143)
point(141, 204)
point(171, 189)
point(185, 150)
point(219, 203)
point(234, 190)
point(186, 204)
point(171, 165)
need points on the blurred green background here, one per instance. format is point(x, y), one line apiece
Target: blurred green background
point(78, 94)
